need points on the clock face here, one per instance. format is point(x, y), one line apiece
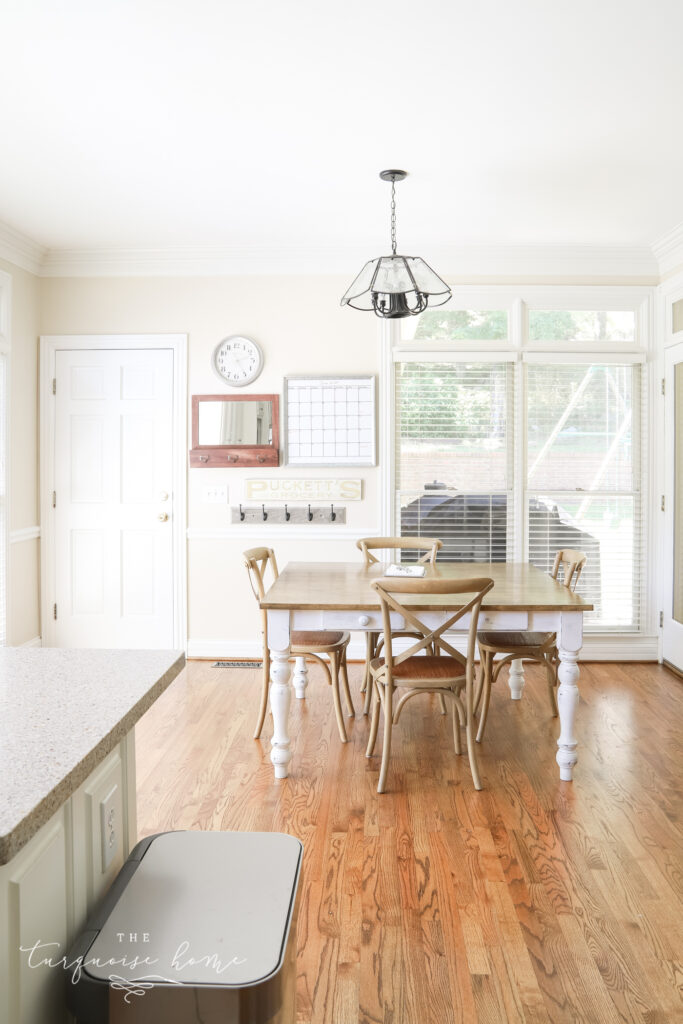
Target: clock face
point(237, 360)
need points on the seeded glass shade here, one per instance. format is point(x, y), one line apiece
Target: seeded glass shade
point(396, 286)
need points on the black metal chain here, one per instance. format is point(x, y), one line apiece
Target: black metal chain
point(393, 216)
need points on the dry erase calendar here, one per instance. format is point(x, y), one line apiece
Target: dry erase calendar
point(330, 421)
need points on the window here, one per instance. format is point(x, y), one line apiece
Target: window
point(3, 498)
point(515, 453)
point(453, 443)
point(582, 479)
point(4, 413)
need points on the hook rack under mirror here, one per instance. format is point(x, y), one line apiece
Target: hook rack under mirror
point(235, 430)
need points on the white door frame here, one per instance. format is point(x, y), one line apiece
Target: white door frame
point(49, 346)
point(673, 355)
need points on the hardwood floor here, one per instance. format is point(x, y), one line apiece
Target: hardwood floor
point(533, 900)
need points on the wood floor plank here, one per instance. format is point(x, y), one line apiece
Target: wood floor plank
point(533, 900)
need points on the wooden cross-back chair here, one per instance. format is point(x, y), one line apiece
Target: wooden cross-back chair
point(429, 546)
point(325, 646)
point(430, 665)
point(525, 645)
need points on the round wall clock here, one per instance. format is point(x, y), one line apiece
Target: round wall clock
point(237, 360)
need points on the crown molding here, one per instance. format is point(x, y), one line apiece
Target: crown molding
point(452, 261)
point(466, 262)
point(19, 249)
point(668, 250)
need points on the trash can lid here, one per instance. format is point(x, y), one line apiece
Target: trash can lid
point(202, 908)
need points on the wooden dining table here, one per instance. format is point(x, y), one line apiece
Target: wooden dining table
point(339, 596)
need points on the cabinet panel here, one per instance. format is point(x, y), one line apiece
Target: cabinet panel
point(38, 915)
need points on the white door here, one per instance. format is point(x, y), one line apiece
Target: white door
point(113, 500)
point(673, 595)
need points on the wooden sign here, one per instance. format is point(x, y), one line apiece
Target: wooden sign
point(291, 489)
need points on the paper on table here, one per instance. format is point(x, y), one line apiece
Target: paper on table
point(405, 570)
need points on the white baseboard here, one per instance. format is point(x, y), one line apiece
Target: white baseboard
point(595, 648)
point(36, 642)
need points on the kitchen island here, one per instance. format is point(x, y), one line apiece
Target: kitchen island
point(67, 807)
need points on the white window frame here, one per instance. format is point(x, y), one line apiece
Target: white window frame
point(398, 344)
point(6, 351)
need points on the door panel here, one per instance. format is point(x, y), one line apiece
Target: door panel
point(114, 501)
point(673, 601)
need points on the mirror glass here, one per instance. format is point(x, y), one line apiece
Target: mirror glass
point(232, 423)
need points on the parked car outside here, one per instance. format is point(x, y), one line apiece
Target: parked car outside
point(473, 528)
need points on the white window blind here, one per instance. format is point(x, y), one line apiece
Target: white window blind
point(583, 480)
point(453, 456)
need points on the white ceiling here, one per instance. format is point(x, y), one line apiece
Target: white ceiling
point(264, 123)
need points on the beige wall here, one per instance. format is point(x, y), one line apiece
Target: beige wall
point(302, 329)
point(23, 597)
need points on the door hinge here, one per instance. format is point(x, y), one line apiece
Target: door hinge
point(663, 503)
point(663, 386)
point(54, 385)
point(54, 499)
point(54, 611)
point(661, 618)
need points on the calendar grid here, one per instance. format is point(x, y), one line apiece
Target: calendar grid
point(330, 421)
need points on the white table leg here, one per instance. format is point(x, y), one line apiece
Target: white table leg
point(280, 700)
point(280, 691)
point(516, 679)
point(300, 678)
point(569, 644)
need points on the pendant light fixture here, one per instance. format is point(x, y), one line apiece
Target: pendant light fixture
point(396, 286)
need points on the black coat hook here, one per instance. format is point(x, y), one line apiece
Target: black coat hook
point(333, 514)
point(288, 515)
point(310, 514)
point(265, 514)
point(241, 514)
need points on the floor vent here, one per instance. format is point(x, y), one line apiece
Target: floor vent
point(237, 664)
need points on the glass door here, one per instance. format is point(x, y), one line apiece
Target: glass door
point(673, 602)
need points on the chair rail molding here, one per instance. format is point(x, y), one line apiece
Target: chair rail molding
point(23, 534)
point(280, 531)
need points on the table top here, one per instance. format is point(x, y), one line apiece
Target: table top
point(345, 586)
point(61, 713)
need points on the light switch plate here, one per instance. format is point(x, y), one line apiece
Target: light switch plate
point(215, 494)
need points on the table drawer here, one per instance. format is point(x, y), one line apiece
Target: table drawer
point(359, 620)
point(504, 620)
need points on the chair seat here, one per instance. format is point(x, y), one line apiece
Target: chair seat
point(427, 668)
point(308, 639)
point(510, 640)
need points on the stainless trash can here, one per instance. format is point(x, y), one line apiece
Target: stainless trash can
point(198, 928)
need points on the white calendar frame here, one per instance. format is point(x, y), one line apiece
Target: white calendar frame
point(334, 382)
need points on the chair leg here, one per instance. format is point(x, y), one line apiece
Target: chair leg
point(552, 684)
point(480, 680)
point(374, 723)
point(472, 751)
point(370, 689)
point(264, 694)
point(345, 684)
point(457, 743)
point(370, 642)
point(386, 745)
point(442, 702)
point(334, 663)
point(487, 669)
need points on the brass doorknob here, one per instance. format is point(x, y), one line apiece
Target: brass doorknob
point(163, 516)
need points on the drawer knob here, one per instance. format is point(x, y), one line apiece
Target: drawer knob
point(363, 620)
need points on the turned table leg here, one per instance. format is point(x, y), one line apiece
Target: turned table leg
point(300, 677)
point(570, 638)
point(516, 679)
point(280, 691)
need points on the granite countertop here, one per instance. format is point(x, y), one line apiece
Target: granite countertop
point(61, 713)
